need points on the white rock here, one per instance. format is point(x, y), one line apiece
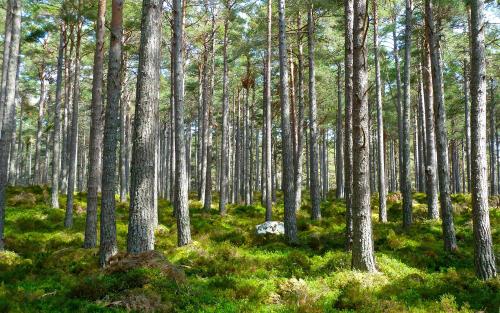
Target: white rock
point(272, 227)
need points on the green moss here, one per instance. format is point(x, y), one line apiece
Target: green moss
point(228, 268)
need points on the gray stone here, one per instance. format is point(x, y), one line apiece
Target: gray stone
point(272, 227)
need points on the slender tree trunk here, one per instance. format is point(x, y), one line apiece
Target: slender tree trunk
point(207, 203)
point(287, 148)
point(243, 181)
point(81, 161)
point(431, 165)
point(20, 147)
point(405, 117)
point(416, 146)
point(237, 154)
point(462, 162)
point(225, 123)
point(421, 134)
point(183, 227)
point(382, 215)
point(339, 153)
point(39, 130)
point(172, 156)
point(493, 148)
point(455, 167)
point(450, 242)
point(250, 148)
point(324, 164)
point(123, 133)
point(398, 102)
point(300, 117)
point(73, 142)
point(274, 173)
point(497, 140)
point(313, 124)
point(96, 134)
point(56, 138)
point(108, 245)
point(5, 60)
point(268, 115)
point(348, 144)
point(362, 245)
point(188, 143)
point(392, 163)
point(208, 139)
point(248, 138)
point(141, 229)
point(467, 126)
point(9, 106)
point(68, 98)
point(484, 256)
point(204, 125)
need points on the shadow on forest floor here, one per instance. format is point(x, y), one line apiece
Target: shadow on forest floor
point(228, 268)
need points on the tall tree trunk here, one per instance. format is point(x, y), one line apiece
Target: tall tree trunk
point(313, 124)
point(382, 215)
point(108, 245)
point(9, 106)
point(81, 161)
point(405, 117)
point(188, 143)
point(20, 146)
point(484, 256)
point(237, 154)
point(467, 126)
point(421, 133)
point(398, 100)
point(5, 60)
point(455, 166)
point(497, 141)
point(207, 203)
point(493, 147)
point(250, 148)
point(181, 184)
point(225, 123)
point(287, 148)
point(140, 228)
point(39, 130)
point(68, 98)
point(208, 139)
point(268, 115)
point(416, 148)
point(300, 117)
point(339, 153)
point(96, 134)
point(172, 156)
point(123, 133)
point(392, 162)
point(204, 125)
point(362, 245)
point(348, 144)
point(450, 242)
point(73, 142)
point(56, 138)
point(431, 165)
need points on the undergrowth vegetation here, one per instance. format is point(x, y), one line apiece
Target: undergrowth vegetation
point(229, 269)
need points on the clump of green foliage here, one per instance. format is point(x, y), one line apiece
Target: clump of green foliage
point(228, 268)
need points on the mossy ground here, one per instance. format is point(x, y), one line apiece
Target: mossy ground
point(229, 269)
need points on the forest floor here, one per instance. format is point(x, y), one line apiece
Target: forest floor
point(230, 269)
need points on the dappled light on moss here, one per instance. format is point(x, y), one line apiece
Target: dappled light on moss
point(228, 268)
